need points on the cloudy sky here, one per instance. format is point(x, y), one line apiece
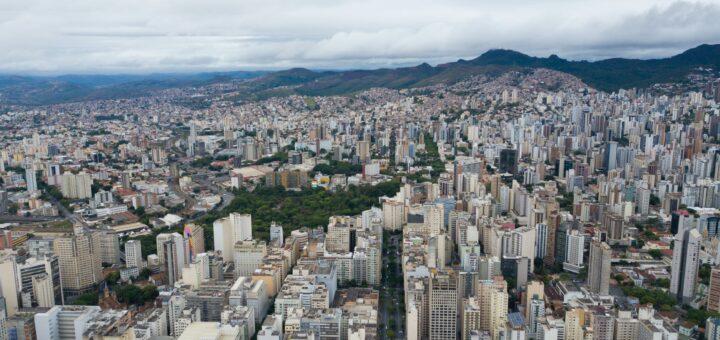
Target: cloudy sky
point(135, 36)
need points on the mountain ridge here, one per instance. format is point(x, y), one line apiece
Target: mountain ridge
point(607, 75)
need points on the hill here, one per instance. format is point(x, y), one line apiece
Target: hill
point(607, 75)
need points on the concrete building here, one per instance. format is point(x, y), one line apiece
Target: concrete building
point(685, 264)
point(443, 305)
point(599, 267)
point(80, 262)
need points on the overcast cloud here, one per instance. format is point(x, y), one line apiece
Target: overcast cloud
point(111, 36)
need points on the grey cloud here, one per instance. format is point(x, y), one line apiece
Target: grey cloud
point(48, 36)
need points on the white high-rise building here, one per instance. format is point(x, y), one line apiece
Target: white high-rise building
point(574, 249)
point(133, 257)
point(685, 263)
point(242, 227)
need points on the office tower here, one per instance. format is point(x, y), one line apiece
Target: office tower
point(30, 180)
point(610, 160)
point(561, 233)
point(80, 263)
point(541, 240)
point(276, 234)
point(508, 161)
point(195, 236)
point(9, 289)
point(169, 251)
point(133, 257)
point(76, 186)
point(443, 305)
point(42, 287)
point(109, 248)
point(685, 264)
point(575, 247)
point(599, 267)
point(249, 256)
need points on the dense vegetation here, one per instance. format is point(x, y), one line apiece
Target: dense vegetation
point(338, 167)
point(305, 208)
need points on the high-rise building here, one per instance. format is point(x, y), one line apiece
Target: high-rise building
point(614, 226)
point(31, 180)
point(9, 289)
point(685, 264)
point(575, 324)
point(602, 323)
point(173, 270)
point(249, 256)
point(80, 262)
point(534, 290)
point(712, 328)
point(393, 215)
point(42, 287)
point(195, 236)
point(76, 186)
point(133, 257)
point(492, 297)
point(599, 267)
point(363, 151)
point(642, 200)
point(626, 327)
point(713, 300)
point(610, 160)
point(508, 161)
point(241, 226)
point(574, 250)
point(443, 305)
point(536, 311)
point(109, 248)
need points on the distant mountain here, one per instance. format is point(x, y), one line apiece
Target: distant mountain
point(38, 90)
point(607, 75)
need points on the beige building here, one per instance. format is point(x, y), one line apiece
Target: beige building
point(80, 263)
